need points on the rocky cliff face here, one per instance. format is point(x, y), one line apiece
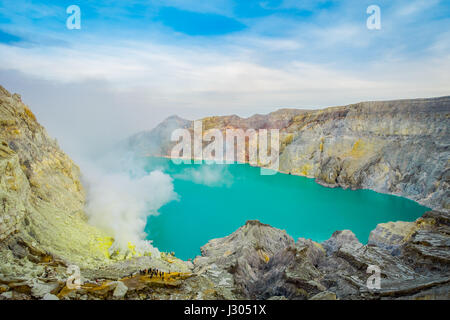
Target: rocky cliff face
point(43, 227)
point(41, 192)
point(261, 262)
point(398, 147)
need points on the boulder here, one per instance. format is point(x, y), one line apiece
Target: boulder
point(341, 239)
point(326, 295)
point(120, 291)
point(49, 296)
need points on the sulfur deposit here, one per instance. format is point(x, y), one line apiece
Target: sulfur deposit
point(43, 227)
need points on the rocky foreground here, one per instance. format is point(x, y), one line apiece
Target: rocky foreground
point(261, 262)
point(44, 230)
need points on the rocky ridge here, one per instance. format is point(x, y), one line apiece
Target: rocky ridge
point(261, 262)
point(396, 147)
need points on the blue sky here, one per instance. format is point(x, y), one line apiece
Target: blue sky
point(410, 26)
point(197, 58)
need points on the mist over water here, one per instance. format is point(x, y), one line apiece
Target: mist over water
point(215, 207)
point(212, 176)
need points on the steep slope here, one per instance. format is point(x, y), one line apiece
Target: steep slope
point(43, 227)
point(41, 192)
point(398, 147)
point(156, 140)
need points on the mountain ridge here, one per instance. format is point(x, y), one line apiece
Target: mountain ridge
point(369, 145)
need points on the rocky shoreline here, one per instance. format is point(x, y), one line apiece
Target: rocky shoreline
point(44, 230)
point(261, 262)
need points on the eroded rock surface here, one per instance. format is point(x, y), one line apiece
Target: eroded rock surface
point(261, 262)
point(43, 227)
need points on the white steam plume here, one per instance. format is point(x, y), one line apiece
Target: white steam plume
point(211, 176)
point(120, 202)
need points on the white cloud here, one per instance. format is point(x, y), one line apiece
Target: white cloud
point(414, 7)
point(173, 74)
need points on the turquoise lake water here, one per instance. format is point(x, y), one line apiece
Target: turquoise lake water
point(215, 200)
